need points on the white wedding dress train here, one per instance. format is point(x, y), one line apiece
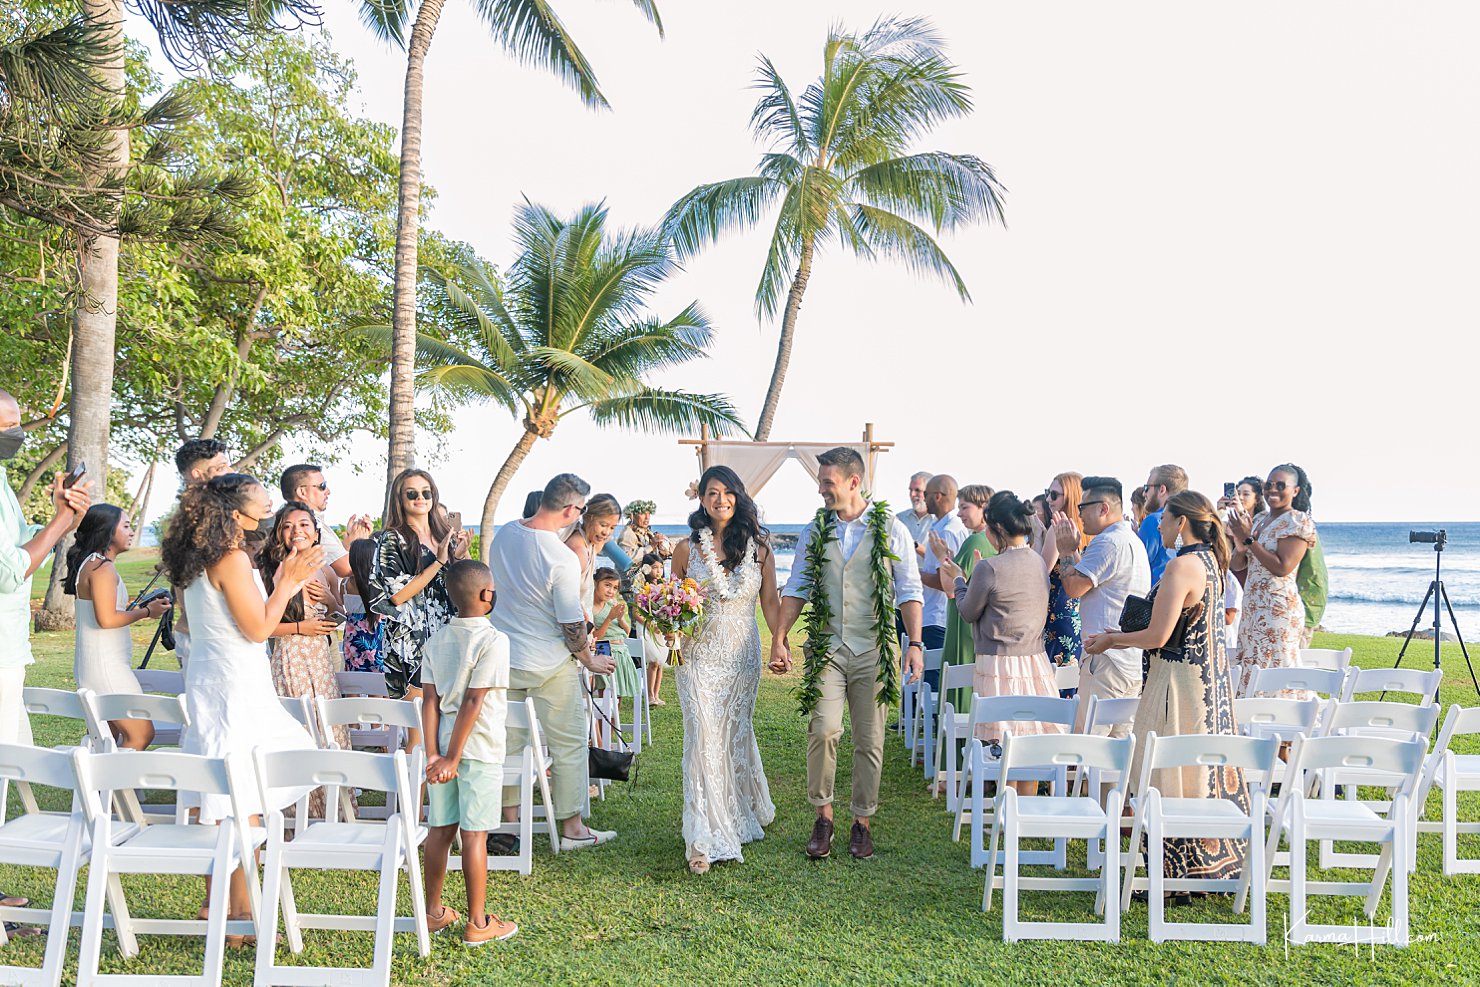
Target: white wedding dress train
point(726, 800)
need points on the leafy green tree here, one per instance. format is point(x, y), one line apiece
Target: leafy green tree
point(568, 331)
point(839, 165)
point(531, 31)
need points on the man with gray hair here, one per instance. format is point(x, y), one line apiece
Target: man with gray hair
point(538, 584)
point(916, 519)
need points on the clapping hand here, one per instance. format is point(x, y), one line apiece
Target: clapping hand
point(938, 547)
point(300, 565)
point(1065, 533)
point(1240, 525)
point(949, 571)
point(358, 526)
point(315, 591)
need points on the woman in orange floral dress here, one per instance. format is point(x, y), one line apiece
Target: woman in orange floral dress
point(1267, 554)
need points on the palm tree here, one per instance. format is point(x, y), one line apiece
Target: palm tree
point(839, 163)
point(532, 32)
point(568, 331)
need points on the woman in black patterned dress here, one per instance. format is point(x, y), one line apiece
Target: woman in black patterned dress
point(1189, 687)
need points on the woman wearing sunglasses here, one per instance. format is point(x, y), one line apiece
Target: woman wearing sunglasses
point(1061, 633)
point(1266, 558)
point(406, 580)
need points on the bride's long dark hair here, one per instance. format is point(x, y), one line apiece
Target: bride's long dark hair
point(743, 527)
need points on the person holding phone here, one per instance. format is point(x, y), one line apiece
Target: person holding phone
point(301, 647)
point(407, 585)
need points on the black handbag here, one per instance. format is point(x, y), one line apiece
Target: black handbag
point(604, 764)
point(1136, 614)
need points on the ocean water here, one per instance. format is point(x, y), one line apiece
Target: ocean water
point(1377, 577)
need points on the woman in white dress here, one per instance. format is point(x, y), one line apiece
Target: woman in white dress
point(726, 800)
point(229, 695)
point(104, 657)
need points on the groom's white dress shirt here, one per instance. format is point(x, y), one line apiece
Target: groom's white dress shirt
point(851, 534)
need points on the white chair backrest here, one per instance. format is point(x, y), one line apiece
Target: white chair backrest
point(53, 702)
point(160, 771)
point(637, 646)
point(132, 706)
point(1382, 719)
point(361, 684)
point(1103, 712)
point(933, 658)
point(301, 710)
point(160, 680)
point(1326, 658)
point(279, 772)
point(1267, 716)
point(1367, 753)
point(957, 677)
point(1076, 750)
point(1325, 681)
point(1411, 681)
point(1037, 709)
point(369, 712)
point(34, 766)
point(1251, 754)
point(1459, 720)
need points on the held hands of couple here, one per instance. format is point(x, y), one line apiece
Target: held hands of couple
point(780, 656)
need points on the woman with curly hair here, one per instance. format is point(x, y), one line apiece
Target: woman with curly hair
point(228, 682)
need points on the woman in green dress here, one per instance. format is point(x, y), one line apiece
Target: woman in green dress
point(960, 649)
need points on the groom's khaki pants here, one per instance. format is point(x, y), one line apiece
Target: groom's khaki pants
point(851, 679)
point(562, 713)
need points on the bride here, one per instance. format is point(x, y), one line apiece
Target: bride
point(726, 800)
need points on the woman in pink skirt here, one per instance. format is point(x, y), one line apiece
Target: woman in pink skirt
point(1006, 604)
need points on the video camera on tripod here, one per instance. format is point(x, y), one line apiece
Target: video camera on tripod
point(1436, 538)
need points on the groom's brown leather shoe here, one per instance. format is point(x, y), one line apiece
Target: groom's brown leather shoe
point(820, 845)
point(860, 842)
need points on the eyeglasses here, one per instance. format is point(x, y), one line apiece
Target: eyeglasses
point(1088, 503)
point(1277, 485)
point(415, 495)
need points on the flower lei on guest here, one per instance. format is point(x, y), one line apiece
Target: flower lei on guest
point(819, 613)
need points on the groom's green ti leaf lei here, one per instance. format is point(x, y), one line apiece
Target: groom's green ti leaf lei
point(820, 611)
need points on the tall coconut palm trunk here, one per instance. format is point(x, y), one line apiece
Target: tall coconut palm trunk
point(501, 483)
point(402, 453)
point(95, 321)
point(783, 348)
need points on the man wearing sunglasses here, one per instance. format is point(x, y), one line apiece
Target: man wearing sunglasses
point(305, 483)
point(1112, 568)
point(1162, 484)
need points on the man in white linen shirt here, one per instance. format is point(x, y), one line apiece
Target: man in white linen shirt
point(305, 483)
point(538, 582)
point(940, 498)
point(1113, 567)
point(851, 674)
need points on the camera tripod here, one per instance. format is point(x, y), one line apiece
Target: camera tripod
point(164, 625)
point(1438, 594)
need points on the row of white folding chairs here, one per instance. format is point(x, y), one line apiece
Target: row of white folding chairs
point(90, 835)
point(1062, 816)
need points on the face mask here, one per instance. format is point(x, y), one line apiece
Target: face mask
point(11, 440)
point(253, 534)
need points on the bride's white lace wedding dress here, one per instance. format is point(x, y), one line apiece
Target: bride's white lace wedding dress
point(726, 800)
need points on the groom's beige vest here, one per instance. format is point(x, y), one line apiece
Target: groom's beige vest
point(850, 590)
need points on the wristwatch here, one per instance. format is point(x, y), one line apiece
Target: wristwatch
point(915, 644)
point(1248, 541)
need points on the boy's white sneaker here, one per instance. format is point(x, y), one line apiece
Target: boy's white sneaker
point(596, 838)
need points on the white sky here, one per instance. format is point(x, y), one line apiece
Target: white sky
point(1237, 236)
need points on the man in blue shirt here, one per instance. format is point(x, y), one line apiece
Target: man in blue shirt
point(1163, 483)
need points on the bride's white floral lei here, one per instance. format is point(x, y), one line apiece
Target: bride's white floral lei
point(722, 584)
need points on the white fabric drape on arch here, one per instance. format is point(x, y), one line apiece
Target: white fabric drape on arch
point(756, 464)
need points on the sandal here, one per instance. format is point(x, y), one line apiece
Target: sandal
point(14, 901)
point(1171, 898)
point(698, 865)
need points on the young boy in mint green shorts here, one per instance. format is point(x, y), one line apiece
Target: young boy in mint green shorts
point(465, 686)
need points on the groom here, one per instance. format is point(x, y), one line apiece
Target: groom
point(855, 564)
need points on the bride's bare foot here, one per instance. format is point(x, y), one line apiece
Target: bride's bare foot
point(698, 865)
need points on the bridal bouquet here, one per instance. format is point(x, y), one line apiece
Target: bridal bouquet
point(673, 606)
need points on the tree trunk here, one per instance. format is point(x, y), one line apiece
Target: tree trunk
point(402, 452)
point(783, 348)
point(501, 483)
point(141, 503)
point(95, 320)
point(34, 477)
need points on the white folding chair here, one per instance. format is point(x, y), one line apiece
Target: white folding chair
point(1385, 720)
point(161, 680)
point(167, 713)
point(642, 734)
point(45, 840)
point(1326, 682)
point(1301, 820)
point(1282, 719)
point(1417, 682)
point(374, 723)
point(952, 730)
point(165, 848)
point(907, 692)
point(301, 710)
point(1325, 658)
point(528, 766)
point(1161, 818)
point(387, 848)
point(1058, 816)
point(982, 770)
point(1452, 773)
point(39, 701)
point(1102, 717)
point(921, 738)
point(361, 684)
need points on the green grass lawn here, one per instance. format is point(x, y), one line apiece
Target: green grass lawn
point(631, 913)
